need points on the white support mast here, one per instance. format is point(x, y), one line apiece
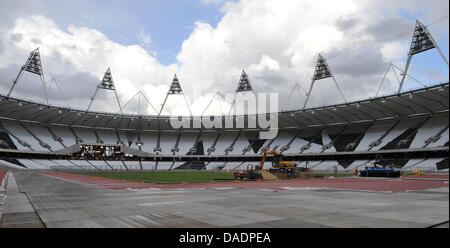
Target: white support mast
point(322, 71)
point(33, 65)
point(175, 89)
point(422, 41)
point(107, 83)
point(243, 86)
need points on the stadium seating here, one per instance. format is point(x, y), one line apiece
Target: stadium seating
point(44, 136)
point(373, 134)
point(208, 141)
point(421, 132)
point(7, 164)
point(280, 141)
point(82, 164)
point(133, 165)
point(87, 135)
point(35, 164)
point(148, 165)
point(397, 132)
point(224, 142)
point(186, 143)
point(327, 166)
point(23, 136)
point(116, 165)
point(148, 142)
point(108, 137)
point(64, 133)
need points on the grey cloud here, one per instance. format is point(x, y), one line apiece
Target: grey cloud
point(16, 37)
point(358, 63)
point(346, 24)
point(390, 28)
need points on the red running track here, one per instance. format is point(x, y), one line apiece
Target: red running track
point(428, 177)
point(2, 175)
point(347, 184)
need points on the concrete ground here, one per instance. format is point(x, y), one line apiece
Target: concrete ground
point(40, 200)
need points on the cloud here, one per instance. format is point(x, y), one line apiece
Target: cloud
point(82, 51)
point(144, 38)
point(275, 42)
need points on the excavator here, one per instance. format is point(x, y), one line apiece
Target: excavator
point(279, 167)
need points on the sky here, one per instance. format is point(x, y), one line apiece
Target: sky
point(208, 43)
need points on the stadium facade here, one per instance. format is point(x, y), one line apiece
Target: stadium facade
point(407, 129)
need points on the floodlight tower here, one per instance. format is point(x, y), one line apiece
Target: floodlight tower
point(175, 89)
point(322, 71)
point(33, 65)
point(107, 83)
point(421, 42)
point(243, 86)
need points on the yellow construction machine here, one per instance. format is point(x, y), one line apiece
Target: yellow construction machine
point(280, 167)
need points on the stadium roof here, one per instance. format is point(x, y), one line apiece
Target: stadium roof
point(415, 103)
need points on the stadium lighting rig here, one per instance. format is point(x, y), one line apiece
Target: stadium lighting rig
point(422, 41)
point(243, 86)
point(175, 89)
point(322, 71)
point(107, 83)
point(34, 66)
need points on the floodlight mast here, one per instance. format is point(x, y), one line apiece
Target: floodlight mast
point(175, 89)
point(243, 86)
point(321, 71)
point(33, 65)
point(422, 41)
point(107, 83)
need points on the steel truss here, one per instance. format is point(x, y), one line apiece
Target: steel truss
point(34, 66)
point(107, 83)
point(422, 41)
point(322, 71)
point(243, 86)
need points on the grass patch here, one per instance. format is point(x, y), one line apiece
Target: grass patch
point(162, 177)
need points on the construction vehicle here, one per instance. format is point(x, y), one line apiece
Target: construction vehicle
point(250, 174)
point(280, 167)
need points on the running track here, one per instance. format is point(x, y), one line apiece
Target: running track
point(396, 185)
point(428, 177)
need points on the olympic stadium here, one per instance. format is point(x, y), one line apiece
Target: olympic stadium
point(64, 163)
